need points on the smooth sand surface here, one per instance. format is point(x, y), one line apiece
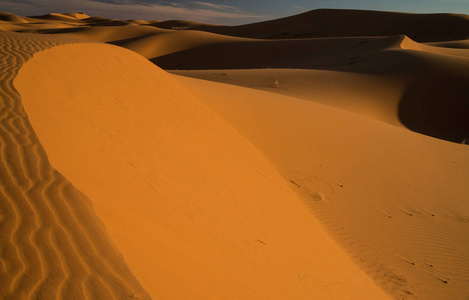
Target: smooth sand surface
point(196, 210)
point(396, 200)
point(321, 157)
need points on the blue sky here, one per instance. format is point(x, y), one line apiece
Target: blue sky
point(227, 12)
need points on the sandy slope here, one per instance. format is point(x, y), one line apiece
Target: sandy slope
point(52, 243)
point(344, 90)
point(210, 208)
point(195, 209)
point(160, 45)
point(396, 200)
point(392, 79)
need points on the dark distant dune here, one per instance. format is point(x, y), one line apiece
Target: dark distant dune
point(178, 24)
point(347, 23)
point(7, 17)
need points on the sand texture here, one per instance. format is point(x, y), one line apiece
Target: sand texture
point(319, 156)
point(52, 243)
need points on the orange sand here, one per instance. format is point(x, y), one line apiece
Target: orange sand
point(315, 161)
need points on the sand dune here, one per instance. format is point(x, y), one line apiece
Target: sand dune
point(321, 157)
point(347, 23)
point(328, 53)
point(196, 210)
point(395, 199)
point(178, 24)
point(418, 86)
point(159, 45)
point(60, 17)
point(112, 34)
point(52, 243)
point(78, 15)
point(4, 16)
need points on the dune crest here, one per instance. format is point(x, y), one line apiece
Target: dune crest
point(52, 243)
point(79, 15)
point(7, 17)
point(195, 209)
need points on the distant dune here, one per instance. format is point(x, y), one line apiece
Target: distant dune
point(421, 87)
point(319, 156)
point(347, 23)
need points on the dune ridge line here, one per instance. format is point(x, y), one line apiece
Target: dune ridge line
point(53, 244)
point(195, 208)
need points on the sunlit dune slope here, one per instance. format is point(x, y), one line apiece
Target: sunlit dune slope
point(52, 244)
point(60, 17)
point(79, 26)
point(396, 200)
point(109, 34)
point(78, 15)
point(195, 209)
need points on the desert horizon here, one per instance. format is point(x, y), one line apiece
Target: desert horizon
point(323, 155)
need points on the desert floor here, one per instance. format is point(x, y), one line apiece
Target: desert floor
point(319, 156)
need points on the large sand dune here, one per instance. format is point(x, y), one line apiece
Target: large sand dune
point(395, 199)
point(194, 208)
point(347, 23)
point(322, 158)
point(52, 243)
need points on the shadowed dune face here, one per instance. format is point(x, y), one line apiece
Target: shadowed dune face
point(370, 55)
point(11, 18)
point(331, 53)
point(437, 106)
point(423, 88)
point(461, 44)
point(348, 23)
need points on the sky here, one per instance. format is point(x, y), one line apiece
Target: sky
point(224, 12)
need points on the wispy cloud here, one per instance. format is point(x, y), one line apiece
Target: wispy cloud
point(126, 9)
point(218, 7)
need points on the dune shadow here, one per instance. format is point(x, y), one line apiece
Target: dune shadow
point(435, 99)
point(60, 30)
point(292, 54)
point(109, 23)
point(437, 106)
point(355, 55)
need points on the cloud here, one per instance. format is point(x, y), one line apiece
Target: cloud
point(125, 9)
point(218, 7)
